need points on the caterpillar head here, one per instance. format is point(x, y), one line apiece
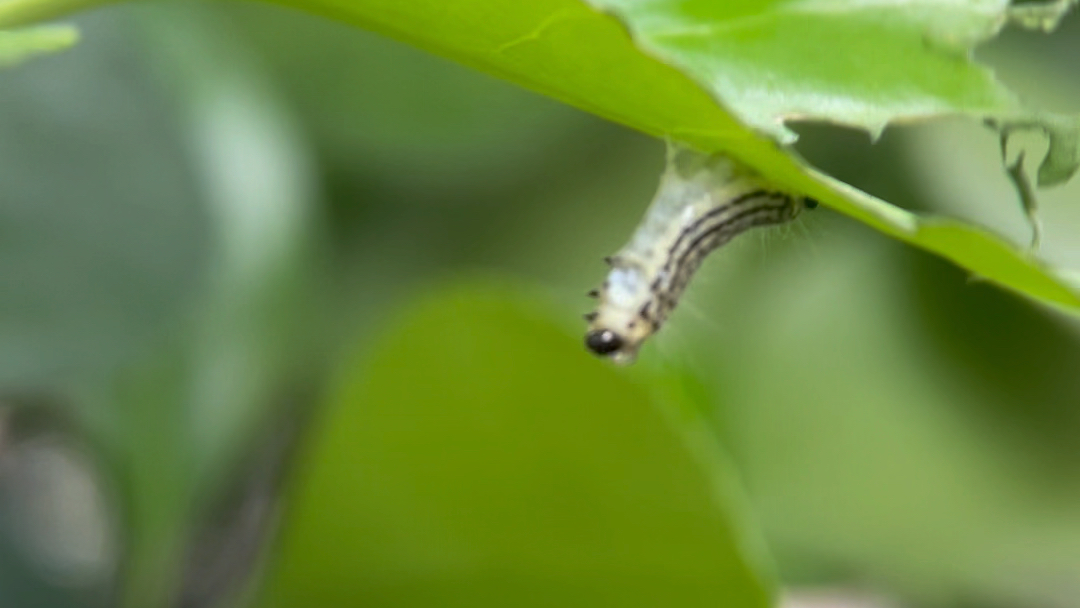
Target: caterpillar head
point(621, 321)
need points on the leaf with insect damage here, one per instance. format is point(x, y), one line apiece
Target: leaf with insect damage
point(726, 76)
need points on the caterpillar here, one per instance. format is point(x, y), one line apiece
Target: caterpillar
point(703, 201)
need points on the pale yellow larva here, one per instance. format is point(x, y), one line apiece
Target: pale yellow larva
point(703, 202)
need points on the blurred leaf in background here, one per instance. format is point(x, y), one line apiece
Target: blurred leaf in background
point(477, 456)
point(99, 249)
point(158, 215)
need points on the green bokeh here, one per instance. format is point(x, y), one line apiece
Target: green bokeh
point(232, 277)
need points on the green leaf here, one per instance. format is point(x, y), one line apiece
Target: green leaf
point(864, 64)
point(859, 64)
point(479, 457)
point(19, 45)
point(559, 48)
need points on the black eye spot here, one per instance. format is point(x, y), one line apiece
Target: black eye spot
point(810, 203)
point(603, 341)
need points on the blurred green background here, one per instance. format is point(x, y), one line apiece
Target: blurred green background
point(290, 316)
